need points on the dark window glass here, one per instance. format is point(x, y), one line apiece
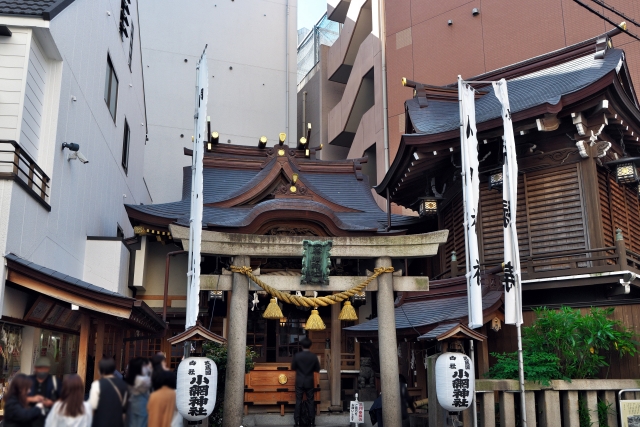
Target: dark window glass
point(126, 139)
point(111, 89)
point(131, 47)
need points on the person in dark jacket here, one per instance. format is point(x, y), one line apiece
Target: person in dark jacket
point(375, 412)
point(406, 401)
point(45, 386)
point(108, 397)
point(305, 364)
point(17, 412)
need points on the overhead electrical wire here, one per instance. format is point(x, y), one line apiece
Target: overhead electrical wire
point(595, 12)
point(617, 12)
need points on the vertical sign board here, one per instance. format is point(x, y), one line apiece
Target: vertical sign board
point(356, 412)
point(630, 413)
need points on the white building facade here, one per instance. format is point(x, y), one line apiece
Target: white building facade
point(252, 88)
point(69, 74)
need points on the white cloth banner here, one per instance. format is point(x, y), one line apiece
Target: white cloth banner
point(471, 193)
point(512, 288)
point(195, 226)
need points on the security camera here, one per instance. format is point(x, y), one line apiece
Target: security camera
point(79, 156)
point(72, 146)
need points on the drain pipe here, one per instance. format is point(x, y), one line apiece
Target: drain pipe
point(286, 68)
point(304, 112)
point(166, 282)
point(385, 104)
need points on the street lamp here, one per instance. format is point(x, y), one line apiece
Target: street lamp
point(428, 206)
point(495, 180)
point(626, 169)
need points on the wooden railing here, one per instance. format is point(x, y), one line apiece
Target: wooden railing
point(17, 165)
point(348, 361)
point(567, 263)
point(555, 405)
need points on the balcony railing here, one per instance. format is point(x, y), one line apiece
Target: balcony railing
point(17, 165)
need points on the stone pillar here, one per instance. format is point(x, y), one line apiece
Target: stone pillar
point(336, 349)
point(236, 346)
point(507, 409)
point(569, 409)
point(389, 374)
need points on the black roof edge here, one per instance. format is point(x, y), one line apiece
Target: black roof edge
point(55, 9)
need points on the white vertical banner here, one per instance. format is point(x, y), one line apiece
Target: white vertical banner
point(471, 193)
point(197, 186)
point(512, 288)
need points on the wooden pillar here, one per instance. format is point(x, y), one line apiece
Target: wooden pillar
point(437, 414)
point(85, 326)
point(590, 191)
point(483, 354)
point(117, 349)
point(336, 362)
point(99, 348)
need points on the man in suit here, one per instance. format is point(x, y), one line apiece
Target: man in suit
point(305, 364)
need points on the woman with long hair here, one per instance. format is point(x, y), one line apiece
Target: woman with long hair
point(17, 412)
point(139, 380)
point(71, 410)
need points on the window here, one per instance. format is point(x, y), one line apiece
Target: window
point(125, 146)
point(131, 47)
point(111, 89)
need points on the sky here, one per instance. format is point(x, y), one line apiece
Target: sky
point(310, 11)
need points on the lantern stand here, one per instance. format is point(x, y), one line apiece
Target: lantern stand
point(450, 342)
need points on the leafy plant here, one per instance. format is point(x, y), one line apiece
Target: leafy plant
point(576, 344)
point(583, 413)
point(604, 409)
point(540, 367)
point(218, 353)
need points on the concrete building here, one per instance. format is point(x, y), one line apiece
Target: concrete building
point(252, 64)
point(428, 41)
point(70, 72)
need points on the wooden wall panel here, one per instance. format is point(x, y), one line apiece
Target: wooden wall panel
point(554, 203)
point(492, 223)
point(452, 218)
point(620, 209)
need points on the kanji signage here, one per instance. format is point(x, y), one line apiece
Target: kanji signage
point(356, 412)
point(197, 384)
point(455, 381)
point(315, 262)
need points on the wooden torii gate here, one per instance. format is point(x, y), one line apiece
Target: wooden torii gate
point(382, 248)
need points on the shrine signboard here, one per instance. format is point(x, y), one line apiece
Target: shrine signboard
point(316, 262)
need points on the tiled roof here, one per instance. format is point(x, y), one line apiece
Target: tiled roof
point(546, 86)
point(438, 330)
point(223, 184)
point(45, 8)
point(430, 312)
point(63, 277)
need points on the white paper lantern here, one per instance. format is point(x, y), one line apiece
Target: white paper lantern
point(196, 388)
point(455, 381)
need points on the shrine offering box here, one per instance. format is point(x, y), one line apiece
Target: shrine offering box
point(274, 384)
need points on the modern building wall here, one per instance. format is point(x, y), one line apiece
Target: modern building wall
point(85, 199)
point(421, 46)
point(251, 46)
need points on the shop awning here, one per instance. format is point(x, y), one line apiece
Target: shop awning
point(74, 291)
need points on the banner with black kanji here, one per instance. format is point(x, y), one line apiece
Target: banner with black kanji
point(471, 193)
point(511, 280)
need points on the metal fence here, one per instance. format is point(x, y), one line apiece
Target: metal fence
point(324, 32)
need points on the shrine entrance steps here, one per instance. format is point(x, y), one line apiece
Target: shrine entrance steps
point(277, 420)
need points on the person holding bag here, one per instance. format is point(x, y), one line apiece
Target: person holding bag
point(139, 381)
point(108, 397)
point(71, 410)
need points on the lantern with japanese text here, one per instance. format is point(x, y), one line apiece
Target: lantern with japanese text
point(455, 381)
point(196, 388)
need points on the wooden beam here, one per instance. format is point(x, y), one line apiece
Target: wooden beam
point(83, 347)
point(70, 297)
point(336, 283)
point(99, 348)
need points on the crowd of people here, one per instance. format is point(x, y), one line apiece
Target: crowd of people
point(144, 396)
